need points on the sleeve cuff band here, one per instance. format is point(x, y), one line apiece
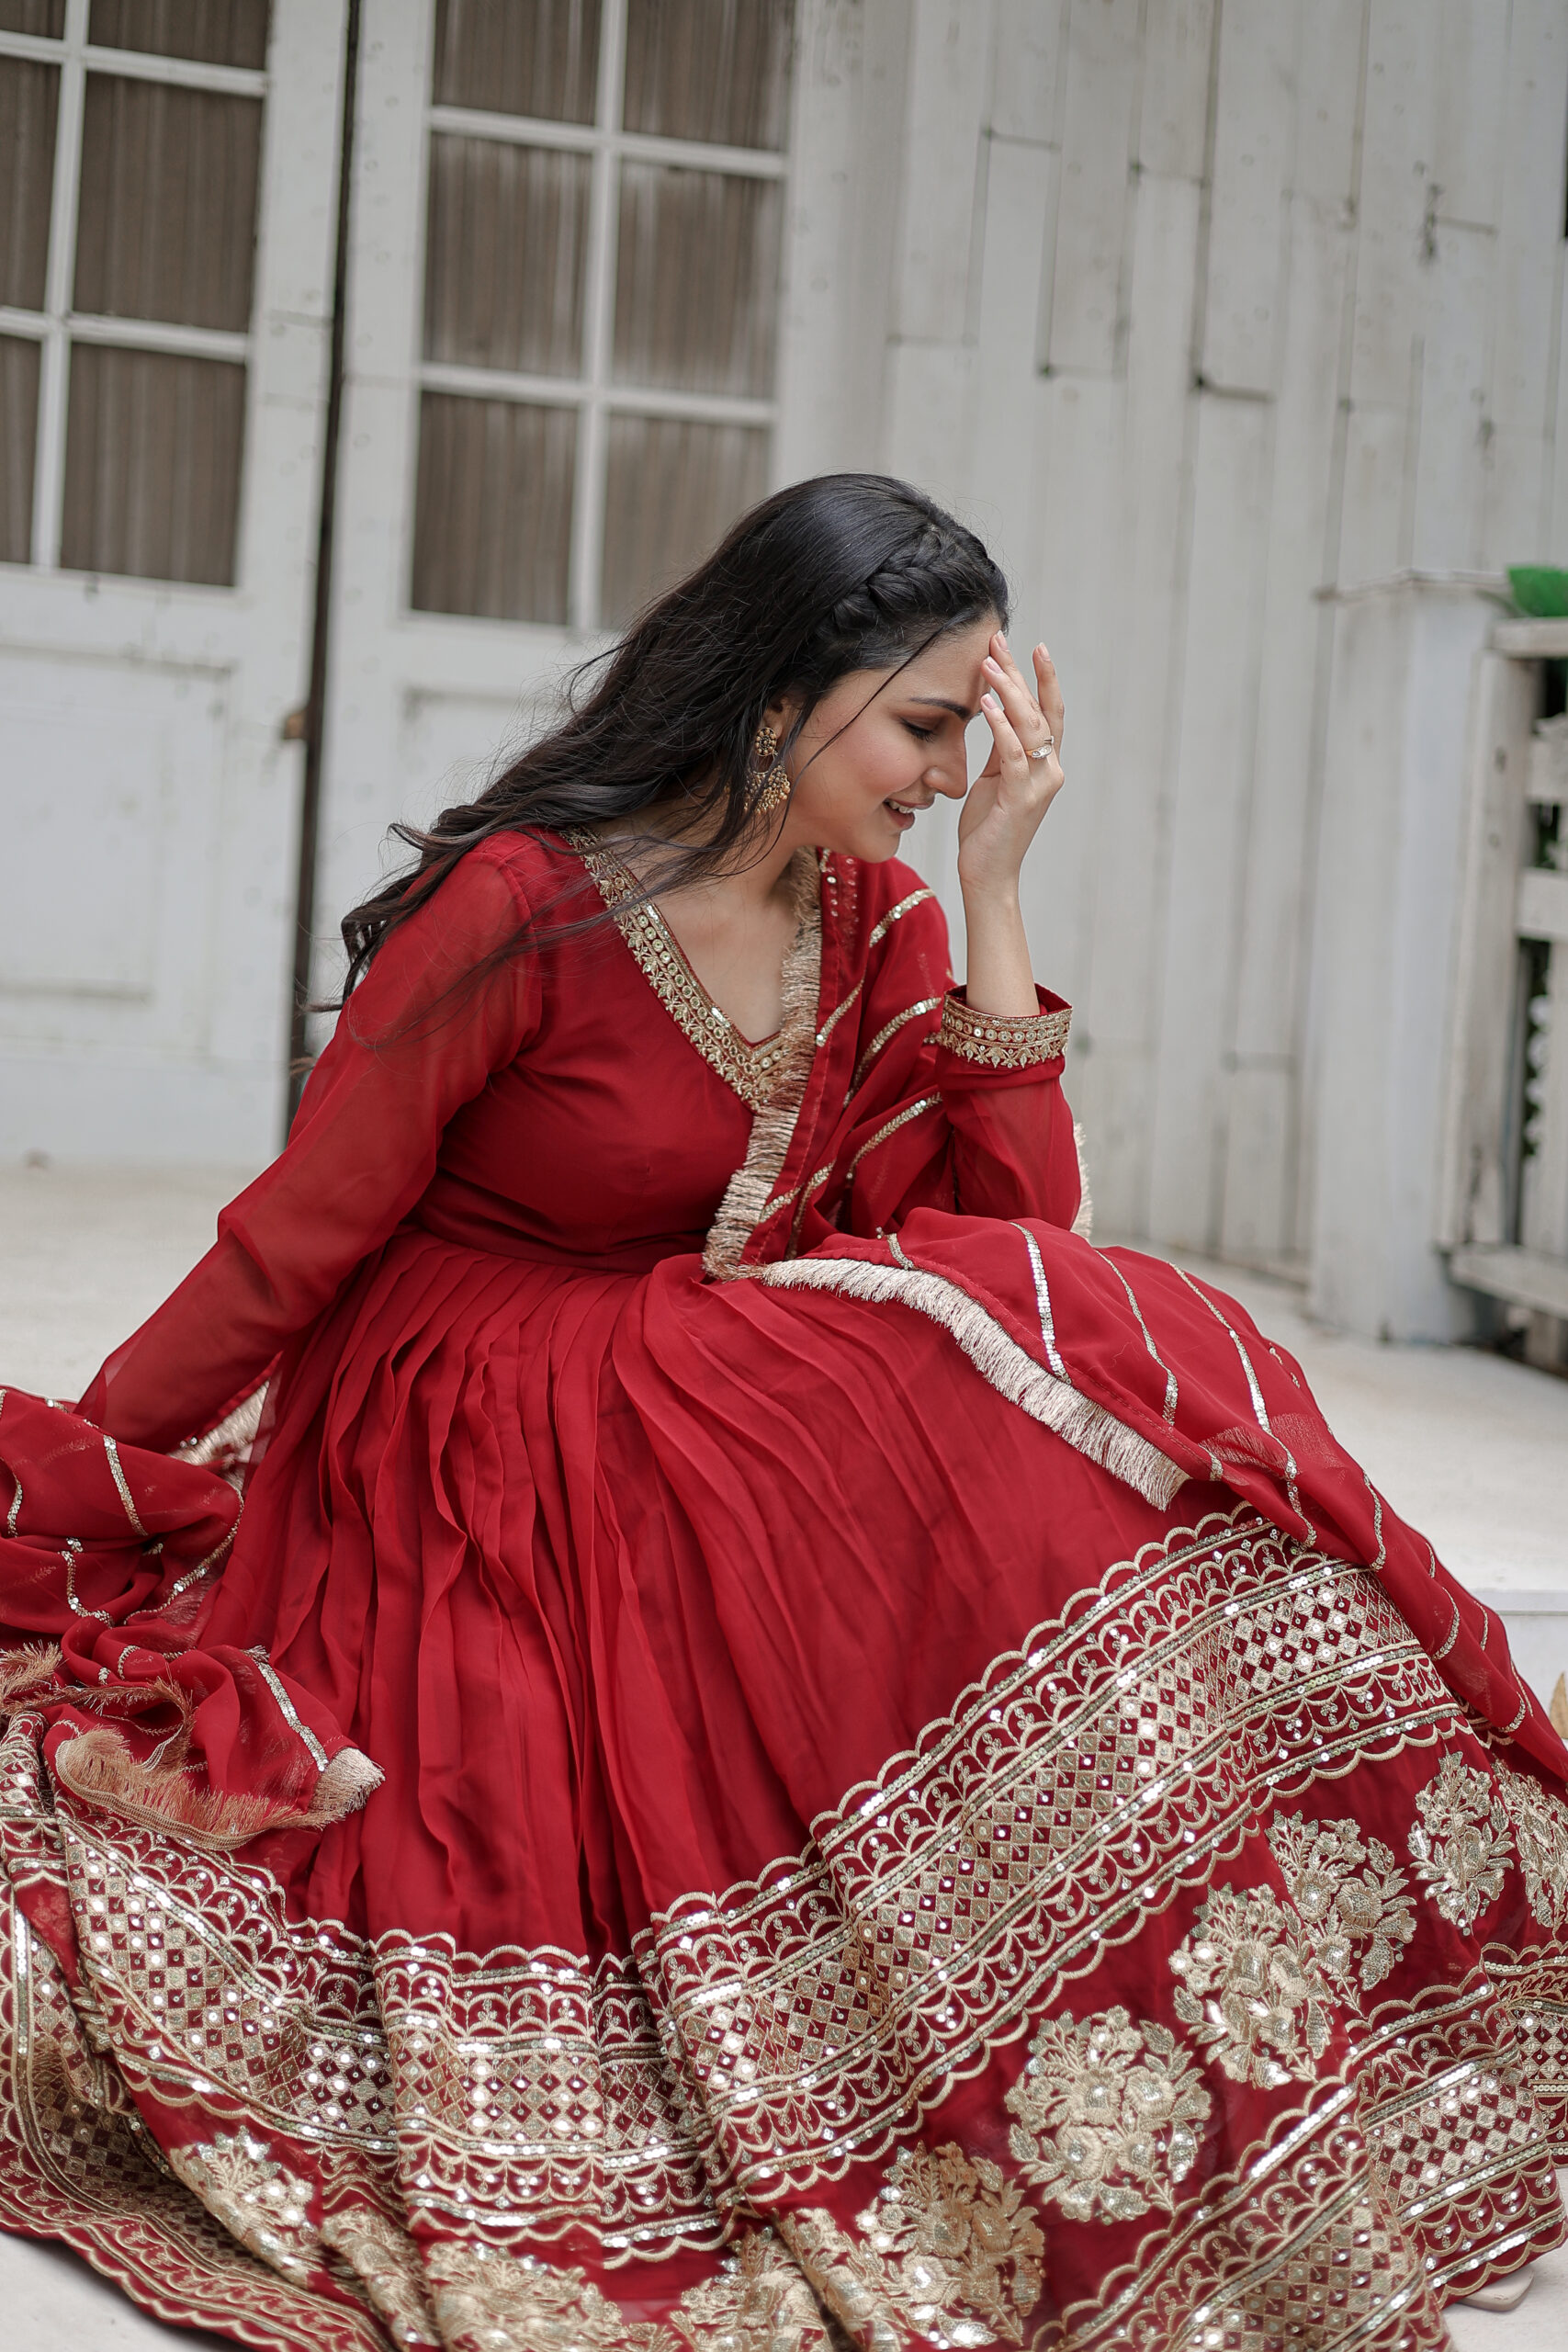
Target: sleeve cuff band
point(1002, 1041)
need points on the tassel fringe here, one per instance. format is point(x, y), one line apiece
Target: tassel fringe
point(1085, 1426)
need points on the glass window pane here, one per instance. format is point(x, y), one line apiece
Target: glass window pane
point(537, 57)
point(18, 441)
point(29, 97)
point(492, 512)
point(505, 257)
point(168, 218)
point(153, 447)
point(219, 32)
point(696, 280)
point(44, 18)
point(673, 489)
point(709, 68)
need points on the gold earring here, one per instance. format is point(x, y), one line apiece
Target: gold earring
point(768, 772)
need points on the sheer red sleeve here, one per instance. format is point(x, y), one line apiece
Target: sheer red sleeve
point(415, 1042)
point(956, 1109)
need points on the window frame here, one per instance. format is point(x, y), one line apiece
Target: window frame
point(592, 393)
point(57, 325)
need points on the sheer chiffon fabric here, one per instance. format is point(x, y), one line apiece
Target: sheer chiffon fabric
point(783, 1752)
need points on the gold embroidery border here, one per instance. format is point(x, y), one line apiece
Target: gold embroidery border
point(1002, 1041)
point(750, 1070)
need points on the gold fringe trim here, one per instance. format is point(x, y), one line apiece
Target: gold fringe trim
point(748, 1192)
point(230, 1439)
point(98, 1768)
point(1083, 1224)
point(26, 1672)
point(1085, 1426)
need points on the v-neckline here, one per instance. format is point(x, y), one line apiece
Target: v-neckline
point(748, 1065)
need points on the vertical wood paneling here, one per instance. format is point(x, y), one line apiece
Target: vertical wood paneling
point(1255, 115)
point(505, 244)
point(1452, 427)
point(1174, 109)
point(30, 99)
point(218, 32)
point(1130, 789)
point(1469, 38)
point(153, 446)
point(672, 491)
point(541, 59)
point(1259, 1214)
point(949, 88)
point(1020, 207)
point(1209, 833)
point(697, 283)
point(45, 18)
point(1529, 273)
point(492, 508)
point(1103, 79)
point(1028, 49)
point(167, 225)
point(1077, 602)
point(709, 68)
point(19, 444)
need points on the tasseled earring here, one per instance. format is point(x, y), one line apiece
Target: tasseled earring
point(768, 772)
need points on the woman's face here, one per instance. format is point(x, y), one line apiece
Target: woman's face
point(882, 744)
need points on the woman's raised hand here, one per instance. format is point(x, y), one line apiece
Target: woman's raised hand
point(1012, 792)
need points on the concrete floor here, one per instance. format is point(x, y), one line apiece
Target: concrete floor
point(1473, 1449)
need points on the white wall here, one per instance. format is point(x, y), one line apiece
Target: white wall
point(1196, 311)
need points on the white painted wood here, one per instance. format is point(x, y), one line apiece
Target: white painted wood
point(1473, 1182)
point(1470, 40)
point(1452, 442)
point(1541, 910)
point(1529, 279)
point(1210, 817)
point(150, 713)
point(1020, 194)
point(1261, 1178)
point(1085, 330)
point(847, 151)
point(1396, 176)
point(1331, 40)
point(1173, 113)
point(1131, 788)
point(949, 90)
point(1028, 70)
point(1254, 117)
point(1376, 517)
point(1382, 984)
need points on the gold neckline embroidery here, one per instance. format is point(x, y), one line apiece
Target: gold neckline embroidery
point(751, 1070)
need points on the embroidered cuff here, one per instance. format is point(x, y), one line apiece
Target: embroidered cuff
point(999, 1040)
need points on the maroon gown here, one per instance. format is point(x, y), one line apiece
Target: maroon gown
point(784, 1752)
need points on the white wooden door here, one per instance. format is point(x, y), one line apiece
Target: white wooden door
point(560, 374)
point(166, 238)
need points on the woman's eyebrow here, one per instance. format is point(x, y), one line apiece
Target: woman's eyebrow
point(941, 702)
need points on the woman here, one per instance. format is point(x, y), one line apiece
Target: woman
point(785, 1752)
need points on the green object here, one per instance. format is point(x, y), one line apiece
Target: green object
point(1540, 590)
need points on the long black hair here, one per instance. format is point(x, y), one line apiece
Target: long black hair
point(850, 572)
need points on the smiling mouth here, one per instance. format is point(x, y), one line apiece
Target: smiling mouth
point(906, 808)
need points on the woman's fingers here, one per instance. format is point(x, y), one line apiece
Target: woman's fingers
point(1049, 692)
point(1023, 710)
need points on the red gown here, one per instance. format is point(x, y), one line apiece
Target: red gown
point(783, 1753)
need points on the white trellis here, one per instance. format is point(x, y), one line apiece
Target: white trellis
point(1506, 1191)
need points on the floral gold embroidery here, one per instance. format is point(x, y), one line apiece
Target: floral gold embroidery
point(949, 2246)
point(1248, 1991)
point(1109, 2116)
point(1002, 1041)
point(1460, 1844)
point(759, 2301)
point(385, 2263)
point(267, 2207)
point(1350, 1894)
point(1540, 1824)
